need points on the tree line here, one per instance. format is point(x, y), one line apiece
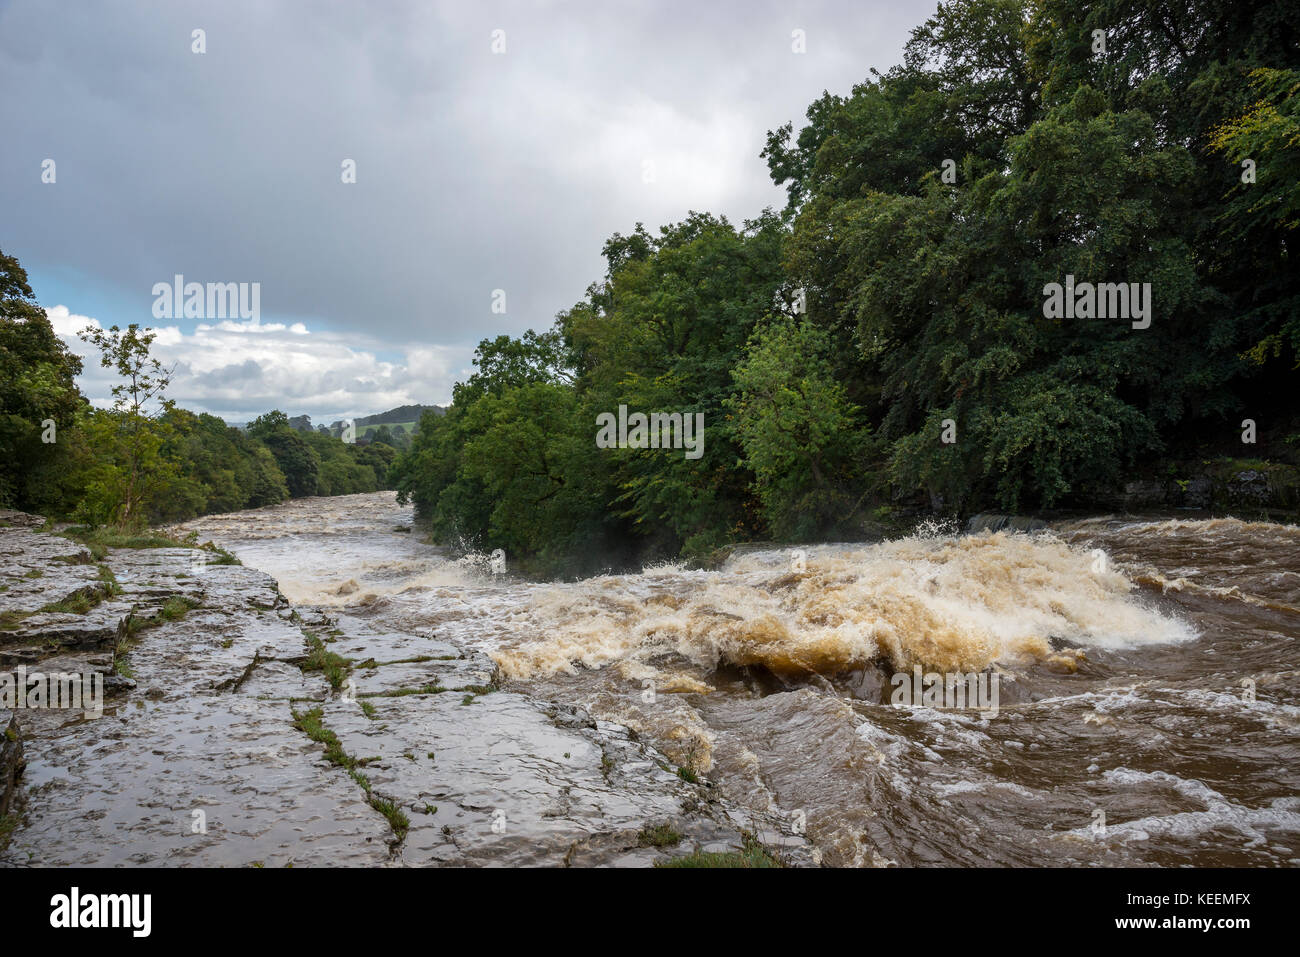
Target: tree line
point(143, 460)
point(881, 342)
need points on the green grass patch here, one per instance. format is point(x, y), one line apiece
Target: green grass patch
point(310, 723)
point(111, 587)
point(78, 603)
point(397, 820)
point(8, 824)
point(219, 556)
point(173, 609)
point(34, 573)
point(100, 539)
point(661, 835)
point(367, 709)
point(754, 855)
point(476, 691)
point(319, 658)
point(80, 558)
point(9, 620)
point(176, 608)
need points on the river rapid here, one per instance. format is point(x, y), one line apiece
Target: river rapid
point(1146, 672)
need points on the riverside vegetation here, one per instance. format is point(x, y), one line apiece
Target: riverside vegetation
point(827, 343)
point(145, 460)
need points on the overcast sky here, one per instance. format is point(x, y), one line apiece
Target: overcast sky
point(475, 171)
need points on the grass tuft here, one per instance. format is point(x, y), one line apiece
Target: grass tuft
point(754, 855)
point(661, 835)
point(320, 658)
point(310, 723)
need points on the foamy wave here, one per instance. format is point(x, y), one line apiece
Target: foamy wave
point(950, 603)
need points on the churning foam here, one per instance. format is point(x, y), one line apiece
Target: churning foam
point(951, 603)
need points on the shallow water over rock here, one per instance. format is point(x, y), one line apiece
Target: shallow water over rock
point(222, 749)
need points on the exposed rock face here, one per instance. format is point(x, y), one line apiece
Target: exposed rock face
point(1249, 486)
point(1223, 486)
point(993, 522)
point(1241, 488)
point(222, 743)
point(13, 519)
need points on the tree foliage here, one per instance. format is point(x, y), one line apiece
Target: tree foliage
point(883, 340)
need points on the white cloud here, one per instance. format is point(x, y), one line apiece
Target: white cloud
point(238, 370)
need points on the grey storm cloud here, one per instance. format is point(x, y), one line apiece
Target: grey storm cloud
point(246, 374)
point(475, 171)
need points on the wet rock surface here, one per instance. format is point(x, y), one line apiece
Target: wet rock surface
point(237, 730)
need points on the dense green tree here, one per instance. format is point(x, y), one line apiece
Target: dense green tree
point(661, 334)
point(379, 458)
point(139, 409)
point(800, 434)
point(296, 458)
point(433, 472)
point(230, 470)
point(39, 399)
point(1263, 210)
point(341, 473)
point(535, 458)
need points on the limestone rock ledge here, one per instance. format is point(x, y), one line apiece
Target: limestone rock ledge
point(223, 742)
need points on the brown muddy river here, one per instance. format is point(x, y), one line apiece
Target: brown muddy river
point(1147, 711)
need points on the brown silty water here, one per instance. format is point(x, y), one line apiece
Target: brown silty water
point(1145, 670)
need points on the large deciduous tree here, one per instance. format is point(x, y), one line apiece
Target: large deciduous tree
point(39, 399)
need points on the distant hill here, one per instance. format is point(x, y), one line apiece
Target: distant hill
point(401, 423)
point(403, 414)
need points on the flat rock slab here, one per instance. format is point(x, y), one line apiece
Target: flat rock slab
point(201, 756)
point(200, 763)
